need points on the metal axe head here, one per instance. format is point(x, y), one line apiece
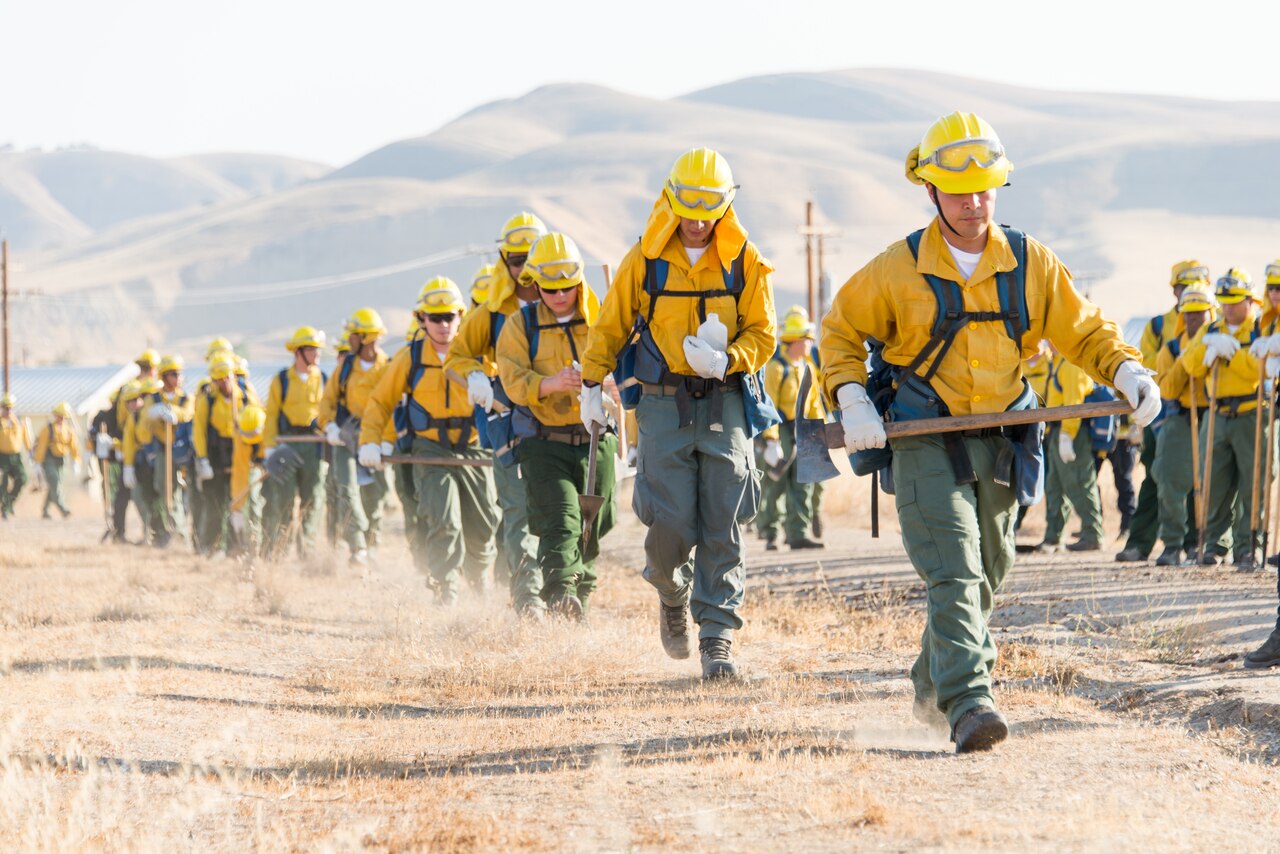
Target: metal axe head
point(282, 462)
point(813, 461)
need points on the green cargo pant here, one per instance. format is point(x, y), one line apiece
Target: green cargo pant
point(53, 485)
point(1069, 486)
point(331, 527)
point(799, 516)
point(149, 496)
point(409, 504)
point(215, 501)
point(1230, 490)
point(457, 518)
point(773, 498)
point(1145, 525)
point(13, 476)
point(960, 540)
point(360, 506)
point(555, 474)
point(305, 487)
point(1175, 482)
point(694, 489)
point(519, 546)
point(195, 503)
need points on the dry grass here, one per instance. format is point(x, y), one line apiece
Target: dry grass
point(153, 702)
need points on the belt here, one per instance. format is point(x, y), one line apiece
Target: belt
point(696, 387)
point(984, 433)
point(568, 434)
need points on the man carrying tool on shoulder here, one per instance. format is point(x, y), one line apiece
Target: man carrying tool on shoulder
point(996, 293)
point(693, 303)
point(471, 356)
point(457, 511)
point(539, 355)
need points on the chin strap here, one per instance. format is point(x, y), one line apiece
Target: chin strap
point(941, 215)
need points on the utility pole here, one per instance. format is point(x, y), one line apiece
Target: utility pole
point(4, 305)
point(808, 250)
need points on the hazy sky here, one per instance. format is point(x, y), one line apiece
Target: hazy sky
point(332, 80)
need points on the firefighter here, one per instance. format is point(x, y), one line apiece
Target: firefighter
point(457, 512)
point(15, 445)
point(213, 435)
point(471, 356)
point(362, 494)
point(539, 359)
point(956, 493)
point(293, 410)
point(699, 295)
point(55, 445)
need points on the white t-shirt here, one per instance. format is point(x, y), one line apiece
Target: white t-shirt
point(695, 252)
point(302, 375)
point(564, 319)
point(967, 262)
point(366, 366)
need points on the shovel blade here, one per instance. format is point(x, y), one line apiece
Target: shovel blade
point(589, 506)
point(813, 462)
point(282, 462)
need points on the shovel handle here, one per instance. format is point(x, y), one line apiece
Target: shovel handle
point(955, 423)
point(437, 461)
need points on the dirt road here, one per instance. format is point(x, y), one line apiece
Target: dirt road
point(153, 701)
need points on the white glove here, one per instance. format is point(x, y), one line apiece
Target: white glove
point(772, 453)
point(1261, 348)
point(863, 428)
point(1135, 383)
point(1273, 366)
point(387, 449)
point(591, 407)
point(102, 446)
point(77, 468)
point(236, 519)
point(706, 361)
point(155, 411)
point(370, 456)
point(1218, 346)
point(1066, 447)
point(332, 434)
point(204, 470)
point(479, 390)
point(129, 477)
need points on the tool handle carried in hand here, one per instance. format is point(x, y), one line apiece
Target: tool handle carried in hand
point(955, 423)
point(401, 459)
point(304, 439)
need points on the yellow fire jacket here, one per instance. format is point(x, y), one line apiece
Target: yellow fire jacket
point(13, 436)
point(473, 347)
point(182, 404)
point(57, 440)
point(522, 378)
point(1151, 344)
point(243, 458)
point(782, 383)
point(360, 384)
point(751, 322)
point(1067, 385)
point(1237, 385)
point(302, 406)
point(1175, 383)
point(439, 397)
point(135, 435)
point(217, 414)
point(890, 300)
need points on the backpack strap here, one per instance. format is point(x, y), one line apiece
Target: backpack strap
point(1157, 326)
point(283, 423)
point(655, 284)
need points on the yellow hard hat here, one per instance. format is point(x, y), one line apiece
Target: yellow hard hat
point(242, 366)
point(217, 345)
point(367, 323)
point(959, 153)
point(171, 364)
point(441, 295)
point(63, 409)
point(413, 330)
point(519, 233)
point(222, 366)
point(1195, 299)
point(554, 263)
point(700, 185)
point(149, 358)
point(1189, 272)
point(343, 345)
point(481, 282)
point(1273, 272)
point(797, 311)
point(129, 390)
point(151, 385)
point(305, 336)
point(8, 401)
point(253, 419)
point(796, 327)
point(1233, 286)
